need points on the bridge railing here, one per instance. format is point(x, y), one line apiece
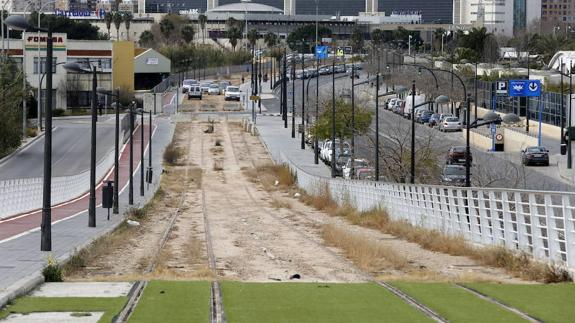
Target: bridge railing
point(539, 223)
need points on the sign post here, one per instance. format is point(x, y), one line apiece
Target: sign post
point(528, 88)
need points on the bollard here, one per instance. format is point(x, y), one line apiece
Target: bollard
point(108, 196)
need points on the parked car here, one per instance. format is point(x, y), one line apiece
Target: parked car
point(453, 175)
point(424, 117)
point(450, 124)
point(398, 107)
point(205, 86)
point(186, 84)
point(456, 156)
point(341, 161)
point(214, 89)
point(535, 155)
point(444, 115)
point(357, 164)
point(391, 103)
point(232, 93)
point(324, 70)
point(433, 120)
point(367, 174)
point(224, 85)
point(195, 91)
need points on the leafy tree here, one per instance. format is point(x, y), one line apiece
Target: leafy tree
point(356, 39)
point(377, 37)
point(271, 39)
point(343, 123)
point(117, 19)
point(203, 19)
point(166, 27)
point(548, 45)
point(108, 18)
point(234, 34)
point(74, 28)
point(252, 37)
point(147, 39)
point(11, 94)
point(307, 34)
point(128, 17)
point(188, 33)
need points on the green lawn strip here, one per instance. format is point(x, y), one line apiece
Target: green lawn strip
point(314, 302)
point(455, 304)
point(550, 303)
point(174, 301)
point(110, 305)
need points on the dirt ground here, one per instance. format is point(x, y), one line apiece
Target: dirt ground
point(258, 234)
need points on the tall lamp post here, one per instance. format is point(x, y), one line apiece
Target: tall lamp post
point(20, 23)
point(116, 96)
point(141, 112)
point(302, 96)
point(75, 67)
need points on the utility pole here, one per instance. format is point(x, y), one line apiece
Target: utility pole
point(302, 96)
point(412, 179)
point(293, 98)
point(333, 119)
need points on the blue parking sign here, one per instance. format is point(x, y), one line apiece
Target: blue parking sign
point(321, 52)
point(525, 88)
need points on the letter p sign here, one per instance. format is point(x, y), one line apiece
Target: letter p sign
point(501, 88)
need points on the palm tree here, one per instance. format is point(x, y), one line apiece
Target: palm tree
point(377, 37)
point(252, 37)
point(548, 45)
point(117, 19)
point(234, 34)
point(188, 33)
point(271, 39)
point(166, 28)
point(127, 20)
point(146, 39)
point(108, 17)
point(203, 19)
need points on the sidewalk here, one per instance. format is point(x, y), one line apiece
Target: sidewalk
point(22, 259)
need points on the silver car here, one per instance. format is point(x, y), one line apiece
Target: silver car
point(450, 124)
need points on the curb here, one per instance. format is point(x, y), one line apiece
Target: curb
point(20, 288)
point(5, 159)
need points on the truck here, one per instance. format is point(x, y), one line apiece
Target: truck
point(409, 102)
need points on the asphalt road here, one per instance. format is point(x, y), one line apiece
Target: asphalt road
point(489, 168)
point(70, 149)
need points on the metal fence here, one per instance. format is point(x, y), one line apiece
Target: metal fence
point(539, 223)
point(549, 101)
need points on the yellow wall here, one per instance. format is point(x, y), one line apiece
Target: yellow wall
point(123, 64)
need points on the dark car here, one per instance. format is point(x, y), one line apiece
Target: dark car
point(535, 156)
point(434, 120)
point(453, 175)
point(456, 156)
point(424, 117)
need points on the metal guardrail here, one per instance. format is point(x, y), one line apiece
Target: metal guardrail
point(539, 223)
point(24, 195)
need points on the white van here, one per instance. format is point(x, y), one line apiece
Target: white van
point(195, 91)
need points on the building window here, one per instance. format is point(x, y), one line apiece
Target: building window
point(43, 65)
point(88, 62)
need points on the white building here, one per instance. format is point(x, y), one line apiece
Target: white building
point(498, 16)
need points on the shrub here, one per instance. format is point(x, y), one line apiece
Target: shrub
point(31, 132)
point(172, 154)
point(58, 112)
point(52, 272)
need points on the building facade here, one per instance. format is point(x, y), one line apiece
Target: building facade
point(555, 13)
point(507, 17)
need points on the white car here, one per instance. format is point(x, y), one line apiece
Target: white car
point(232, 93)
point(195, 91)
point(214, 89)
point(450, 124)
point(186, 84)
point(391, 103)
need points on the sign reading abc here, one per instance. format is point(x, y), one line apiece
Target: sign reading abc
point(189, 12)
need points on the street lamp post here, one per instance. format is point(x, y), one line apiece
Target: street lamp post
point(333, 119)
point(19, 22)
point(302, 96)
point(284, 89)
point(131, 166)
point(293, 97)
point(75, 67)
point(412, 132)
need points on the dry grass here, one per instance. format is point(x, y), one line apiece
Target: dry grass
point(218, 165)
point(279, 203)
point(172, 154)
point(268, 175)
point(520, 265)
point(364, 252)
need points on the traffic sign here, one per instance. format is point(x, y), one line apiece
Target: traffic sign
point(524, 88)
point(501, 88)
point(254, 98)
point(340, 52)
point(321, 52)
